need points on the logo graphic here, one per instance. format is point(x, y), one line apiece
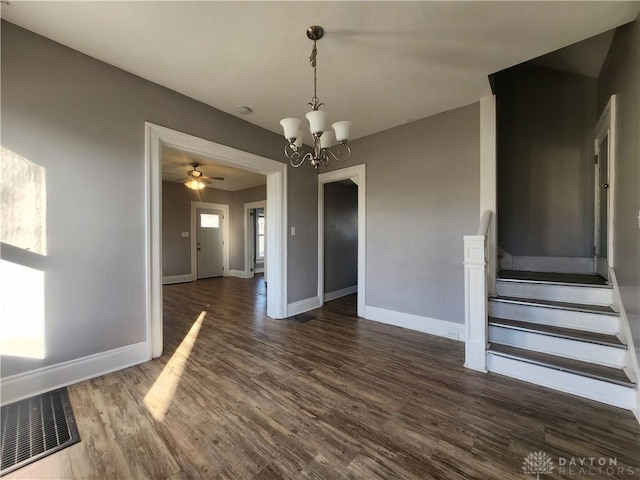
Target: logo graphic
point(537, 463)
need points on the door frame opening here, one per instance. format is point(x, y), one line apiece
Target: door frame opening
point(249, 271)
point(276, 172)
point(357, 174)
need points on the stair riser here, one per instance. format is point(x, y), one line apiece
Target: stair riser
point(577, 350)
point(557, 293)
point(598, 390)
point(591, 322)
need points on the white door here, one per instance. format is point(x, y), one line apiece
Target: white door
point(605, 135)
point(602, 206)
point(209, 242)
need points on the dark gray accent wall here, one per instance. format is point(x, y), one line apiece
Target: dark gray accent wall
point(83, 121)
point(545, 121)
point(340, 236)
point(621, 76)
point(423, 195)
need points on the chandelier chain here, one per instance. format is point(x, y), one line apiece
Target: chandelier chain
point(315, 101)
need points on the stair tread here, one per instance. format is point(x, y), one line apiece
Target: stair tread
point(600, 372)
point(551, 277)
point(563, 332)
point(581, 307)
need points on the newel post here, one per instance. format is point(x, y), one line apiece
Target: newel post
point(475, 302)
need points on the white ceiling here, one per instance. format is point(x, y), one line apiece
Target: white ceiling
point(380, 64)
point(176, 163)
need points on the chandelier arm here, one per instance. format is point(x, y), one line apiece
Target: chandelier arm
point(296, 160)
point(293, 154)
point(342, 153)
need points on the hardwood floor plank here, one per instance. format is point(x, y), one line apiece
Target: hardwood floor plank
point(240, 396)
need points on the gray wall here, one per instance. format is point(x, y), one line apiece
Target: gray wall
point(423, 195)
point(340, 236)
point(545, 162)
point(621, 75)
point(83, 121)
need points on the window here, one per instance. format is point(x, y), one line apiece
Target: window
point(208, 220)
point(259, 229)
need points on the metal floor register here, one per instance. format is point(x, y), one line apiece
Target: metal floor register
point(36, 427)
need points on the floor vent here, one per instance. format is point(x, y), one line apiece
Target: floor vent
point(36, 427)
point(303, 318)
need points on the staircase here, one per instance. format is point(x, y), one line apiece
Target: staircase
point(559, 331)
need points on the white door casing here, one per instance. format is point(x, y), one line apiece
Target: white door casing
point(357, 174)
point(248, 243)
point(276, 172)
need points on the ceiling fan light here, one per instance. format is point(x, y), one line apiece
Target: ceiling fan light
point(194, 184)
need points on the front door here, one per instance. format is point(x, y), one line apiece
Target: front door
point(209, 242)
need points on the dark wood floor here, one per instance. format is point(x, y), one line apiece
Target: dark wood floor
point(237, 395)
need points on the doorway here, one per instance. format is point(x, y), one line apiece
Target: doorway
point(604, 189)
point(157, 138)
point(255, 240)
point(357, 175)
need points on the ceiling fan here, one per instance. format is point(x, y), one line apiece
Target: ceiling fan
point(196, 180)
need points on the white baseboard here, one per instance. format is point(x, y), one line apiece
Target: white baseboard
point(302, 306)
point(433, 326)
point(553, 264)
point(258, 270)
point(28, 384)
point(168, 280)
point(236, 273)
point(343, 292)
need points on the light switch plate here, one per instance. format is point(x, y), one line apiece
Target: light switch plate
point(185, 234)
point(293, 231)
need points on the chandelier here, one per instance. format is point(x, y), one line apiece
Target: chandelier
point(324, 147)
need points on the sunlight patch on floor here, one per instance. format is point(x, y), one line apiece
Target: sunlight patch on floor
point(160, 395)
